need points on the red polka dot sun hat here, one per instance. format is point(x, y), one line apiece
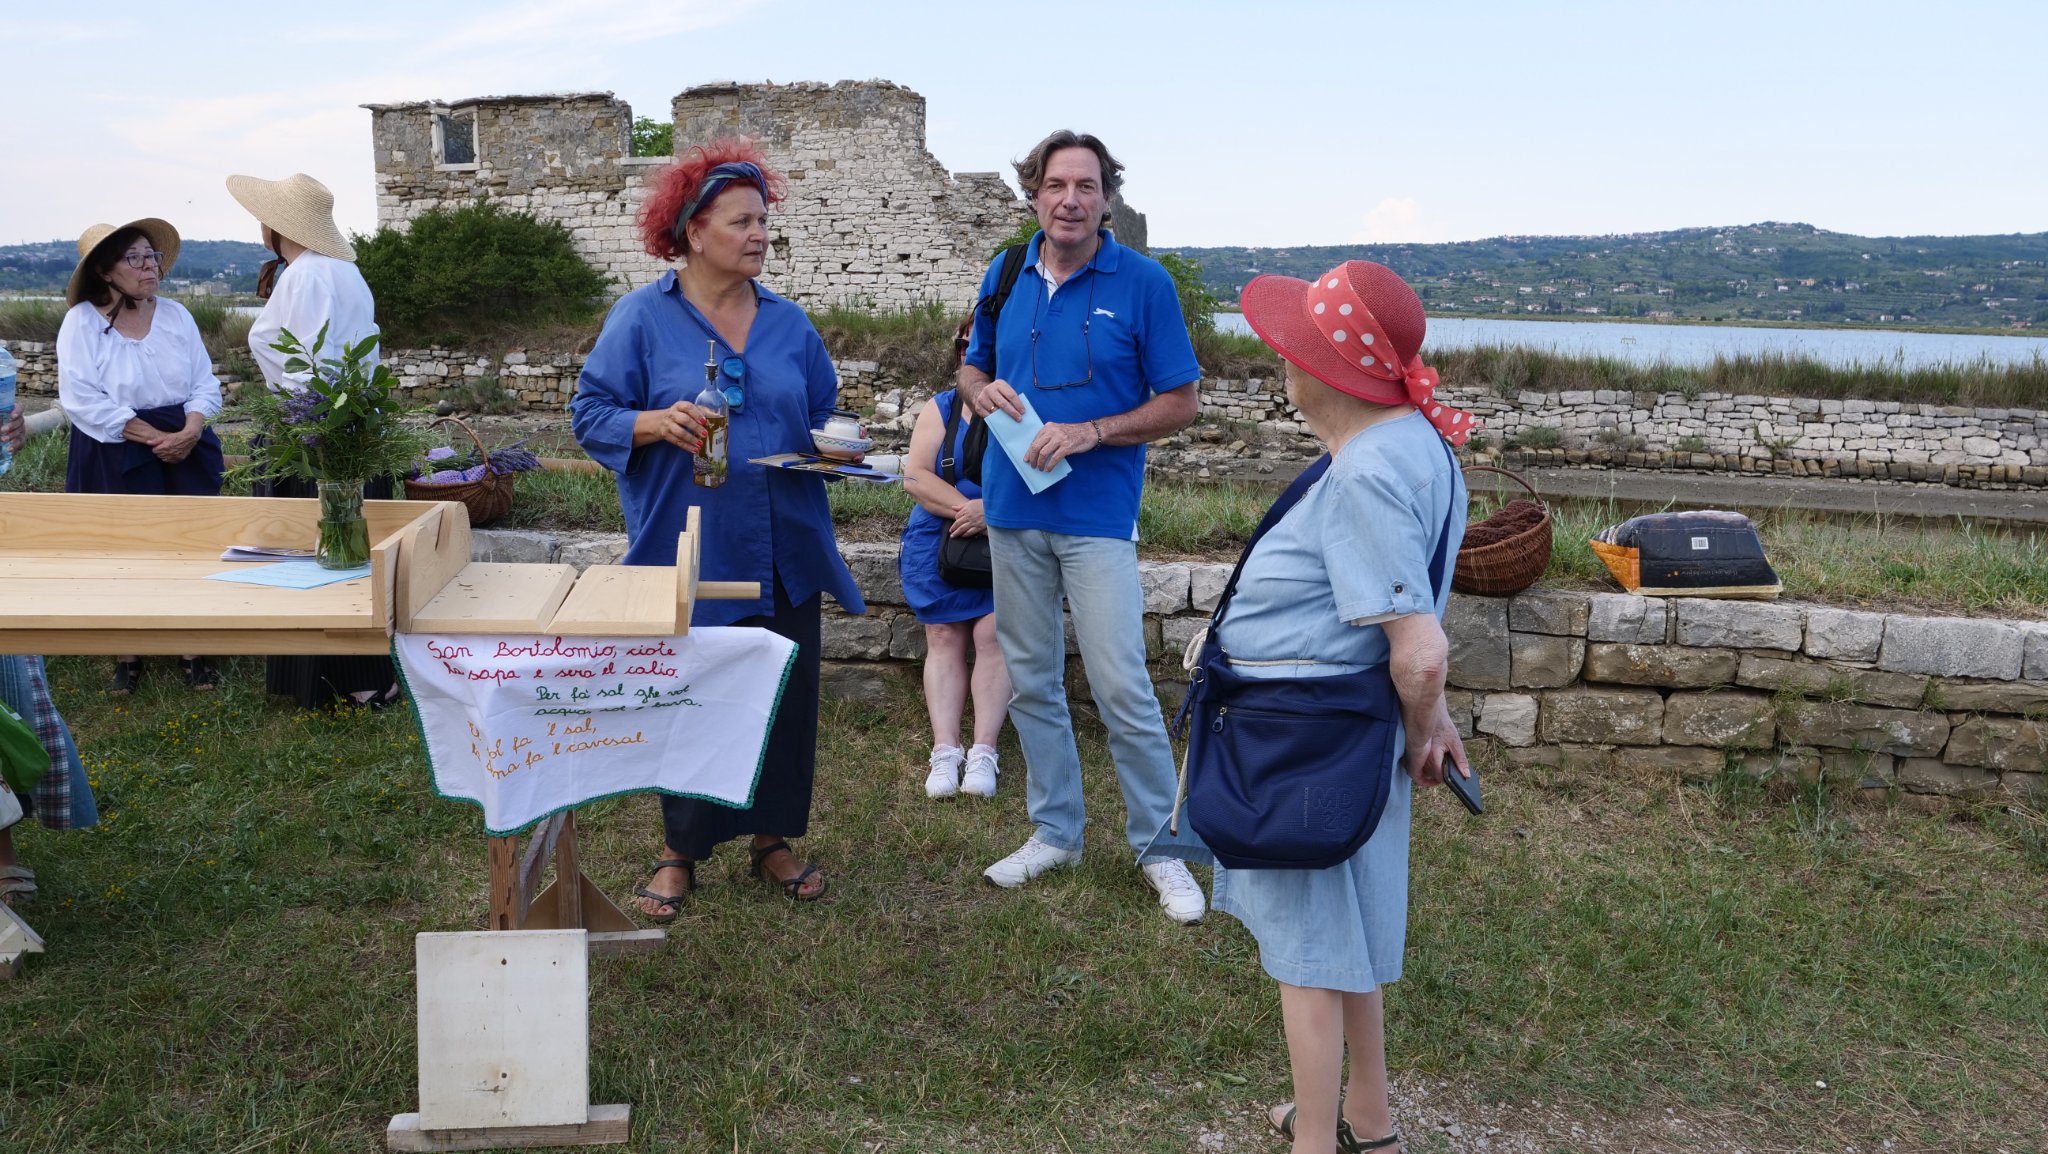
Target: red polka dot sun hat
point(1358, 329)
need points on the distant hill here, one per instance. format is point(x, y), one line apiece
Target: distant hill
point(1770, 272)
point(44, 268)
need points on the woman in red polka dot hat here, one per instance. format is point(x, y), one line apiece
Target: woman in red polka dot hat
point(1355, 574)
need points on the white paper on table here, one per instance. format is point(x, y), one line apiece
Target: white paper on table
point(1015, 436)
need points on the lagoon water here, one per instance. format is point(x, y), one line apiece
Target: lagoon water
point(1700, 344)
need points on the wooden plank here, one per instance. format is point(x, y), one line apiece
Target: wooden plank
point(504, 1029)
point(619, 943)
point(120, 641)
point(84, 602)
point(495, 597)
point(620, 601)
point(607, 1125)
point(533, 863)
point(598, 912)
point(569, 898)
point(119, 525)
point(507, 912)
point(437, 551)
point(728, 590)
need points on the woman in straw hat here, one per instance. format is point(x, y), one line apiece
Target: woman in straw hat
point(1357, 573)
point(634, 414)
point(312, 284)
point(137, 383)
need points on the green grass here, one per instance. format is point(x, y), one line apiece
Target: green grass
point(230, 962)
point(30, 320)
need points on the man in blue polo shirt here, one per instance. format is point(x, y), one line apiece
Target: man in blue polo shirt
point(1093, 341)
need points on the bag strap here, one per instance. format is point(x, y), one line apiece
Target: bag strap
point(949, 464)
point(1293, 496)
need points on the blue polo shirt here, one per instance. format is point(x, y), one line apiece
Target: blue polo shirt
point(763, 524)
point(1118, 317)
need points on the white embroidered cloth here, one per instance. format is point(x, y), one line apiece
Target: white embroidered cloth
point(526, 726)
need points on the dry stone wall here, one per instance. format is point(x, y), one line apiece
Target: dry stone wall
point(1247, 429)
point(872, 217)
point(1682, 687)
point(1717, 432)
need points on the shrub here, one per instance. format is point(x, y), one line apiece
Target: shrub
point(464, 275)
point(652, 137)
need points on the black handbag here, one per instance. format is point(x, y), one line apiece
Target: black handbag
point(964, 561)
point(1288, 772)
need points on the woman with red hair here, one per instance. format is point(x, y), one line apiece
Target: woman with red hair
point(633, 413)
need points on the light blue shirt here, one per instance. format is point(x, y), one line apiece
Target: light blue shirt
point(761, 525)
point(1357, 547)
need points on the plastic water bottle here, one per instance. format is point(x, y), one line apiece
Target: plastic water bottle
point(7, 374)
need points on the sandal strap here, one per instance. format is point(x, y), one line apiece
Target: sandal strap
point(1286, 1124)
point(795, 885)
point(674, 863)
point(675, 900)
point(759, 854)
point(1348, 1140)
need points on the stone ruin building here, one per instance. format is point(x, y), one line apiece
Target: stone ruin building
point(872, 218)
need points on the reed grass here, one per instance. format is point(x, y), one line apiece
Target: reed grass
point(1512, 369)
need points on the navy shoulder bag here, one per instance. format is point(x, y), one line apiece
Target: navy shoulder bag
point(1288, 772)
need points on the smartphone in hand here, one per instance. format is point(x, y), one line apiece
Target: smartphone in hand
point(1467, 788)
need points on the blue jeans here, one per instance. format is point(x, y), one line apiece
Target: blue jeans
point(1099, 578)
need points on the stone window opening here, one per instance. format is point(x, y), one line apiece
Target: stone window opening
point(455, 139)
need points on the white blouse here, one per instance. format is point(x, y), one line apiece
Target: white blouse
point(313, 290)
point(104, 377)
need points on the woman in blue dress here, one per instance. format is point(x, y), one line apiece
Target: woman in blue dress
point(634, 414)
point(1344, 582)
point(957, 619)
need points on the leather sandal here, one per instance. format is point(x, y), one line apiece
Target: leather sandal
point(1349, 1143)
point(793, 887)
point(198, 674)
point(669, 903)
point(127, 675)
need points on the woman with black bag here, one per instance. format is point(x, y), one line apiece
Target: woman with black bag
point(944, 566)
point(1347, 579)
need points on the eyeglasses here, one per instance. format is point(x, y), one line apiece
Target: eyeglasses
point(143, 259)
point(1087, 346)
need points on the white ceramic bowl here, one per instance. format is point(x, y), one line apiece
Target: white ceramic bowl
point(843, 448)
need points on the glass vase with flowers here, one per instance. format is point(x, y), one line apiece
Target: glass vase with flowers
point(343, 427)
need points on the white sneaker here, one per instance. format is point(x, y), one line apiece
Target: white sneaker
point(1179, 896)
point(980, 778)
point(1034, 857)
point(944, 779)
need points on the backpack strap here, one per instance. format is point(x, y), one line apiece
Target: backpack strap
point(1012, 257)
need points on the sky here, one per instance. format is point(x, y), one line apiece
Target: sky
point(1267, 124)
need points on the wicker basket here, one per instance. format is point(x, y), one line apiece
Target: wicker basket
point(1508, 566)
point(488, 498)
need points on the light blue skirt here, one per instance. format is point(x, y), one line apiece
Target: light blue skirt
point(1341, 928)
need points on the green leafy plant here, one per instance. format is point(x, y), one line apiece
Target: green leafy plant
point(1539, 437)
point(456, 276)
point(1197, 303)
point(1691, 444)
point(346, 424)
point(652, 137)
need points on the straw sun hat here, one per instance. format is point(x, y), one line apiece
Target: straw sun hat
point(162, 237)
point(297, 207)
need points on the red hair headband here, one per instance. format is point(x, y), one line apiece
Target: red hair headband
point(1340, 314)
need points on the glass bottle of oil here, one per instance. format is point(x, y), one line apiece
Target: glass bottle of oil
point(711, 459)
